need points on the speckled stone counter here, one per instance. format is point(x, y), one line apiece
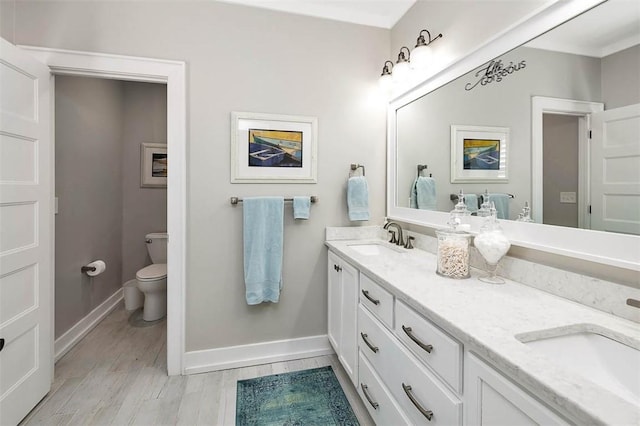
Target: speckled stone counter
point(487, 319)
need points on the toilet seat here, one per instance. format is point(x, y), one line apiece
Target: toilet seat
point(153, 272)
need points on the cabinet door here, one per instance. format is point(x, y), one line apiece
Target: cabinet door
point(334, 302)
point(349, 339)
point(491, 399)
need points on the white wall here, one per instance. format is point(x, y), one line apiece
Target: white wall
point(246, 59)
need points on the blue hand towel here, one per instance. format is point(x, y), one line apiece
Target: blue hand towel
point(426, 193)
point(263, 222)
point(413, 196)
point(301, 207)
point(358, 198)
point(471, 201)
point(501, 202)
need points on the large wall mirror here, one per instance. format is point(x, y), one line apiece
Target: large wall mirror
point(552, 121)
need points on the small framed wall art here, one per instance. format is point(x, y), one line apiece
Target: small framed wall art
point(479, 154)
point(270, 148)
point(153, 165)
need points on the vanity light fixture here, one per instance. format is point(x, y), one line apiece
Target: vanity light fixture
point(386, 78)
point(403, 65)
point(422, 52)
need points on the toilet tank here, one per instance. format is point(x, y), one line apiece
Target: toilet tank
point(157, 246)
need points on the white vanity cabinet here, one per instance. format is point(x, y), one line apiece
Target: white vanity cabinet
point(343, 286)
point(492, 399)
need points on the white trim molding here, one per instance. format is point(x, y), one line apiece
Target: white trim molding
point(71, 337)
point(256, 354)
point(173, 74)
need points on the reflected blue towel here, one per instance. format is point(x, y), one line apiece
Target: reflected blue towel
point(501, 202)
point(358, 198)
point(301, 207)
point(263, 224)
point(425, 193)
point(471, 201)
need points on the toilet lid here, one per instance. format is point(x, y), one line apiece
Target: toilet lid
point(152, 272)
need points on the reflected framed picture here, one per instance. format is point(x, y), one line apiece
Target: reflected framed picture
point(153, 165)
point(479, 154)
point(270, 148)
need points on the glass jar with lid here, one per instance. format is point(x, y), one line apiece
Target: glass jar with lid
point(492, 245)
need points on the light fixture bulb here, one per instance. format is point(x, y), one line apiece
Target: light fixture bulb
point(421, 57)
point(385, 81)
point(401, 71)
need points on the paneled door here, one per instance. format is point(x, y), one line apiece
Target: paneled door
point(26, 226)
point(615, 170)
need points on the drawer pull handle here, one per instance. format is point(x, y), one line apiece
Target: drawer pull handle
point(424, 346)
point(371, 299)
point(373, 348)
point(427, 413)
point(364, 388)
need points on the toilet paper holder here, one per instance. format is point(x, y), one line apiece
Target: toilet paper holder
point(88, 269)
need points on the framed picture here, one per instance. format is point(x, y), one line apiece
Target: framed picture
point(153, 165)
point(269, 148)
point(479, 154)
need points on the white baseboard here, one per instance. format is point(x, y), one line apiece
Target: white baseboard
point(256, 354)
point(71, 337)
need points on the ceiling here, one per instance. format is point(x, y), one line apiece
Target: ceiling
point(375, 13)
point(601, 31)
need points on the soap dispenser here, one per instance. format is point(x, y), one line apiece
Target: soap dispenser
point(492, 245)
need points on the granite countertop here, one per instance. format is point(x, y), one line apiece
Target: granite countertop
point(487, 318)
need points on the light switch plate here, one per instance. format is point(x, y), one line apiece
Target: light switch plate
point(568, 197)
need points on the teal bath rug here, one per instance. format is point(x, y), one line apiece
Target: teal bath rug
point(308, 397)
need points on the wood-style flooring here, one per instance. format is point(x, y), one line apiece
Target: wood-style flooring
point(117, 376)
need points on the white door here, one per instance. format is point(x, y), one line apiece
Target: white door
point(26, 226)
point(615, 170)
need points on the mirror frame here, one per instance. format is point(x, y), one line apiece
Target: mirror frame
point(618, 250)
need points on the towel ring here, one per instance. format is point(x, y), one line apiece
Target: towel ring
point(422, 167)
point(355, 167)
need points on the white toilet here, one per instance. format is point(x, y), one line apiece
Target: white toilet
point(152, 279)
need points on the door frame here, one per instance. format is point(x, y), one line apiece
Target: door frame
point(545, 105)
point(173, 74)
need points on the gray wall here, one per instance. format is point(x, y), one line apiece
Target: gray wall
point(424, 126)
point(144, 210)
point(560, 168)
point(621, 79)
point(7, 9)
point(246, 59)
point(88, 165)
point(103, 212)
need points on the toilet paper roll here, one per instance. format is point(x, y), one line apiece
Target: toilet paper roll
point(100, 268)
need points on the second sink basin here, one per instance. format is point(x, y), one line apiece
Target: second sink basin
point(605, 361)
point(373, 249)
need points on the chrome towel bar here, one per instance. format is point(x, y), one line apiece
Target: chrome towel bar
point(236, 200)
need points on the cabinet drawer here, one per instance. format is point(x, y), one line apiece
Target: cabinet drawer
point(396, 367)
point(381, 406)
point(377, 300)
point(430, 344)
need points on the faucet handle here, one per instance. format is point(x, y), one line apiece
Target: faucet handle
point(408, 244)
point(393, 239)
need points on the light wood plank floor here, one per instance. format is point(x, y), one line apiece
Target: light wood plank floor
point(117, 376)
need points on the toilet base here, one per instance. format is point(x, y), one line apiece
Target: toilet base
point(155, 306)
point(155, 299)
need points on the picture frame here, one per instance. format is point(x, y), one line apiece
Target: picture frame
point(153, 165)
point(479, 154)
point(272, 148)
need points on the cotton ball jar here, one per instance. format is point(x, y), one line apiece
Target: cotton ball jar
point(492, 245)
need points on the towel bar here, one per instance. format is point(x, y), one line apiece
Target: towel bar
point(236, 200)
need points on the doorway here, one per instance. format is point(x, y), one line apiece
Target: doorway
point(103, 210)
point(171, 73)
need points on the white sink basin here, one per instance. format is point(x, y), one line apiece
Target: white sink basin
point(602, 360)
point(373, 249)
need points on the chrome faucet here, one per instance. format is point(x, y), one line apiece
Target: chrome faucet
point(400, 240)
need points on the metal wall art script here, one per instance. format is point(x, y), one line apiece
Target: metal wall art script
point(495, 71)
